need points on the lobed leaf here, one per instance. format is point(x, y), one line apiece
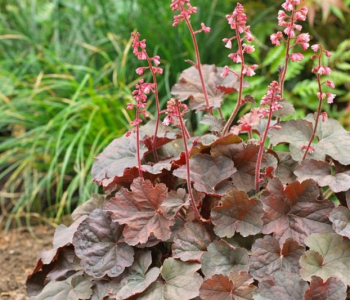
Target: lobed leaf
point(331, 289)
point(340, 217)
point(236, 286)
point(99, 244)
point(321, 172)
point(237, 213)
point(138, 277)
point(269, 257)
point(119, 155)
point(221, 258)
point(207, 172)
point(76, 287)
point(144, 210)
point(286, 286)
point(295, 211)
point(87, 207)
point(329, 256)
point(191, 242)
point(178, 279)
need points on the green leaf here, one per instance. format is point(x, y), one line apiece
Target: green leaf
point(329, 256)
point(178, 278)
point(221, 258)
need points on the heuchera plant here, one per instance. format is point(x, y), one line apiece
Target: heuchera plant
point(224, 215)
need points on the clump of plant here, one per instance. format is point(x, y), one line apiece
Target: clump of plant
point(224, 215)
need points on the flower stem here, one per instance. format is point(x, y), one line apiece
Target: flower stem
point(155, 154)
point(188, 171)
point(239, 99)
point(138, 143)
point(198, 66)
point(261, 151)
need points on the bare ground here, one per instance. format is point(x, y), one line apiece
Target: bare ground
point(18, 255)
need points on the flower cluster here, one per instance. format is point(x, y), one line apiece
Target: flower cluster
point(186, 10)
point(174, 111)
point(290, 24)
point(139, 94)
point(272, 99)
point(322, 70)
point(139, 49)
point(237, 20)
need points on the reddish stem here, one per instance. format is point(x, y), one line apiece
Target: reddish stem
point(318, 110)
point(188, 171)
point(198, 65)
point(239, 100)
point(138, 142)
point(155, 154)
point(261, 151)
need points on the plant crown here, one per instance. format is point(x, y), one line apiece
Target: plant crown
point(223, 215)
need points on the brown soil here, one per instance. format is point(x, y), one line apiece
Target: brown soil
point(18, 256)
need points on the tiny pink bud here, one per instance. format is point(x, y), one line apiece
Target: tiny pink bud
point(315, 47)
point(330, 84)
point(328, 54)
point(330, 98)
point(225, 72)
point(296, 57)
point(324, 116)
point(140, 70)
point(205, 28)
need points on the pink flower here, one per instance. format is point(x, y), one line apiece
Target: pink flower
point(330, 98)
point(140, 70)
point(249, 70)
point(228, 43)
point(323, 70)
point(328, 54)
point(248, 48)
point(315, 47)
point(205, 28)
point(311, 148)
point(330, 84)
point(324, 116)
point(303, 40)
point(296, 57)
point(275, 38)
point(225, 72)
point(156, 60)
point(321, 96)
point(235, 57)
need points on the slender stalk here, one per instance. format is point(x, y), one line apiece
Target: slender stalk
point(239, 99)
point(198, 65)
point(138, 143)
point(283, 74)
point(188, 171)
point(317, 114)
point(155, 154)
point(261, 151)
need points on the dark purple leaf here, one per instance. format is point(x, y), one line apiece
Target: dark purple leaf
point(144, 210)
point(332, 289)
point(285, 168)
point(329, 256)
point(295, 211)
point(284, 286)
point(340, 217)
point(237, 213)
point(221, 258)
point(191, 241)
point(269, 257)
point(244, 158)
point(207, 172)
point(236, 286)
point(116, 158)
point(321, 172)
point(99, 244)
